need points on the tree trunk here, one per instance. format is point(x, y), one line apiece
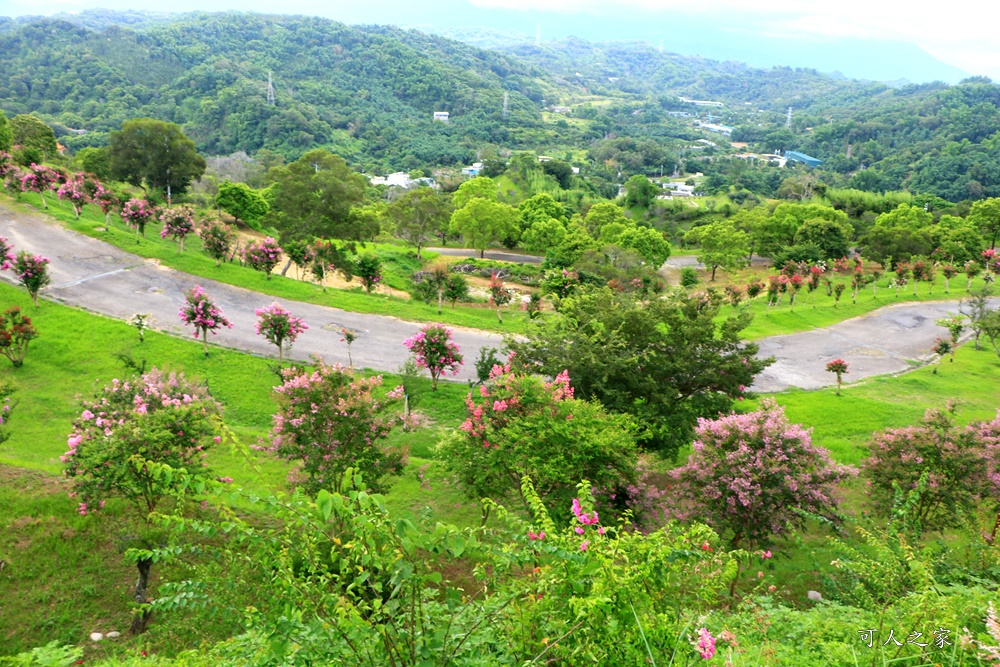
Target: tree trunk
point(44, 204)
point(142, 617)
point(204, 339)
point(288, 265)
point(440, 301)
point(418, 251)
point(713, 273)
point(482, 254)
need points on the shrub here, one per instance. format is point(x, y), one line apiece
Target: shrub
point(368, 267)
point(750, 475)
point(330, 421)
point(958, 462)
point(516, 424)
point(6, 410)
point(689, 277)
point(434, 349)
point(16, 331)
point(278, 326)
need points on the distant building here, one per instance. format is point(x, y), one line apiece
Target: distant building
point(400, 179)
point(576, 170)
point(562, 110)
point(807, 160)
point(679, 114)
point(441, 116)
point(713, 127)
point(474, 170)
point(679, 189)
point(706, 142)
point(376, 180)
point(701, 103)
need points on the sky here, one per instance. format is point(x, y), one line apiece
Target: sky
point(960, 35)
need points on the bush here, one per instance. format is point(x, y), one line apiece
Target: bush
point(750, 475)
point(689, 277)
point(16, 331)
point(960, 465)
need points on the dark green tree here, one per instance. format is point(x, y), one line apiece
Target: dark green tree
point(155, 154)
point(6, 133)
point(665, 361)
point(96, 161)
point(313, 197)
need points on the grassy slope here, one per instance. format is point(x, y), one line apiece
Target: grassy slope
point(398, 265)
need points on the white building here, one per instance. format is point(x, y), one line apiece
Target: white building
point(399, 179)
point(474, 170)
point(441, 116)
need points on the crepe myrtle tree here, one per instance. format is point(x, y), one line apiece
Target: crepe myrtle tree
point(263, 255)
point(278, 326)
point(178, 224)
point(16, 331)
point(217, 238)
point(434, 349)
point(32, 272)
point(200, 311)
point(839, 368)
point(136, 213)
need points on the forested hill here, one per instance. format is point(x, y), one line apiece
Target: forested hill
point(366, 93)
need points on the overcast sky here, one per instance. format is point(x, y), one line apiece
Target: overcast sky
point(963, 34)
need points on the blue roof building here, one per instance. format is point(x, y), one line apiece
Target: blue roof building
point(807, 160)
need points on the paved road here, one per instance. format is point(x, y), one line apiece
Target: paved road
point(94, 275)
point(884, 341)
point(682, 261)
point(99, 277)
point(490, 254)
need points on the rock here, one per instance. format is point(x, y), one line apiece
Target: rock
point(114, 634)
point(96, 636)
point(815, 596)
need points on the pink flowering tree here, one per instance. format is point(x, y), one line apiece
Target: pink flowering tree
point(961, 465)
point(518, 424)
point(278, 326)
point(124, 444)
point(32, 272)
point(200, 311)
point(330, 420)
point(178, 224)
point(108, 202)
point(136, 213)
point(76, 192)
point(7, 257)
point(16, 331)
point(263, 255)
point(500, 295)
point(40, 179)
point(749, 476)
point(434, 349)
point(13, 181)
point(839, 368)
point(217, 238)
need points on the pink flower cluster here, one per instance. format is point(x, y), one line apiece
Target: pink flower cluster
point(6, 254)
point(39, 178)
point(136, 213)
point(178, 223)
point(74, 191)
point(536, 536)
point(706, 644)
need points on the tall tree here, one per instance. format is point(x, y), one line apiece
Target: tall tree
point(986, 214)
point(6, 133)
point(483, 223)
point(155, 154)
point(722, 245)
point(312, 198)
point(480, 187)
point(419, 215)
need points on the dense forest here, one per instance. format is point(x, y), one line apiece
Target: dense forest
point(368, 93)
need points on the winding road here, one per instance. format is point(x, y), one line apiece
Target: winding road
point(101, 278)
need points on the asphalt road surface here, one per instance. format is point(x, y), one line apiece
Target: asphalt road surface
point(99, 277)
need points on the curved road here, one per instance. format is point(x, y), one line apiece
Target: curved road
point(99, 277)
point(490, 254)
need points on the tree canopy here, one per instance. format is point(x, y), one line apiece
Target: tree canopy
point(154, 154)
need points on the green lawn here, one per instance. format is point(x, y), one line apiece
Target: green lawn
point(843, 424)
point(398, 264)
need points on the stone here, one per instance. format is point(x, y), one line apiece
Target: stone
point(114, 634)
point(815, 596)
point(96, 636)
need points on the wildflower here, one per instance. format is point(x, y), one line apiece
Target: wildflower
point(706, 643)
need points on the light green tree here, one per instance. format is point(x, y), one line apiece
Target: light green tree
point(418, 215)
point(242, 202)
point(986, 214)
point(484, 223)
point(480, 187)
point(543, 235)
point(721, 245)
point(601, 214)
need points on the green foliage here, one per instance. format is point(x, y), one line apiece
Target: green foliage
point(242, 202)
point(313, 197)
point(484, 223)
point(721, 245)
point(35, 140)
point(96, 161)
point(520, 426)
point(689, 277)
point(6, 133)
point(419, 215)
point(667, 361)
point(639, 191)
point(154, 154)
point(53, 654)
point(480, 187)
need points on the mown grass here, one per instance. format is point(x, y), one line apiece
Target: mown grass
point(398, 264)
